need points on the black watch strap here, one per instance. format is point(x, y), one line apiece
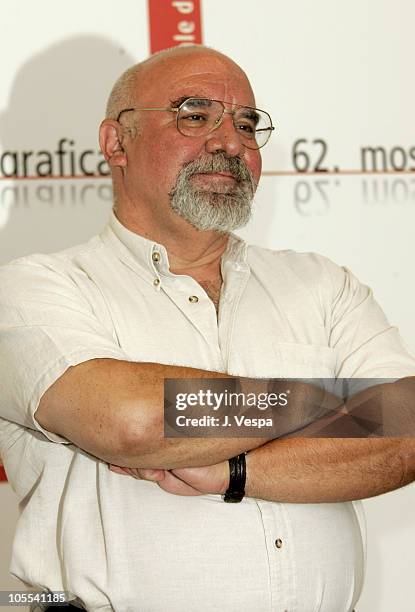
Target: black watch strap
point(237, 479)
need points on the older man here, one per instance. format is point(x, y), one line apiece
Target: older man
point(85, 334)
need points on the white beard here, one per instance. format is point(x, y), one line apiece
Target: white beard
point(206, 209)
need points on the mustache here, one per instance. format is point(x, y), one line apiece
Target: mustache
point(220, 162)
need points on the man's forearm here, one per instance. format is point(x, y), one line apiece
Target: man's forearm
point(313, 470)
point(158, 451)
point(114, 410)
point(319, 467)
point(308, 470)
point(312, 465)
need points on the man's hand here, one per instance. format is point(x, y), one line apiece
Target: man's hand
point(209, 479)
point(184, 481)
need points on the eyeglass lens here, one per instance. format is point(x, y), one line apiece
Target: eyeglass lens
point(199, 116)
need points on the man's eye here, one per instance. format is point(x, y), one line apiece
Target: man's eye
point(246, 126)
point(194, 117)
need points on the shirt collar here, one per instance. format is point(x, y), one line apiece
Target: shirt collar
point(146, 252)
point(154, 255)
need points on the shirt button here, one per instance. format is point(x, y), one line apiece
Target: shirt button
point(156, 256)
point(156, 282)
point(193, 299)
point(278, 543)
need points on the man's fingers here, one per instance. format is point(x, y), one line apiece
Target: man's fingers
point(118, 470)
point(140, 474)
point(153, 475)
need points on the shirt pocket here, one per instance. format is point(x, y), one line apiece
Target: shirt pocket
point(304, 360)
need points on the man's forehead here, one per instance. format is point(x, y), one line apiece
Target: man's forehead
point(201, 75)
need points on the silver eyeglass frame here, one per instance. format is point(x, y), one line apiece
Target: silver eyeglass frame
point(176, 109)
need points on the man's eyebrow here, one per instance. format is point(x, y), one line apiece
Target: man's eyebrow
point(176, 103)
point(249, 113)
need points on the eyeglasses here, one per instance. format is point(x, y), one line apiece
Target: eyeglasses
point(200, 116)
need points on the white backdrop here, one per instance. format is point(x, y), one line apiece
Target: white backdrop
point(337, 79)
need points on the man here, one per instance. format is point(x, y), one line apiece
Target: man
point(90, 334)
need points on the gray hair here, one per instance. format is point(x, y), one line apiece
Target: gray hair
point(121, 95)
point(222, 211)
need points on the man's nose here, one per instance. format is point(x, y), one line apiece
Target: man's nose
point(225, 138)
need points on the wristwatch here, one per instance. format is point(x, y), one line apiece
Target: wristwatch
point(237, 478)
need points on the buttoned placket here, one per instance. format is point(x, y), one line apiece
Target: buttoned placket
point(190, 298)
point(236, 276)
point(281, 557)
point(275, 521)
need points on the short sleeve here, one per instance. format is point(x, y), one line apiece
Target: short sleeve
point(367, 345)
point(46, 326)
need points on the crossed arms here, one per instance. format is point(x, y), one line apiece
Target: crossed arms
point(113, 409)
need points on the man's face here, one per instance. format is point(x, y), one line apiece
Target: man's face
point(208, 180)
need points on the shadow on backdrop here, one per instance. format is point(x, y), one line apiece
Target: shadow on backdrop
point(50, 126)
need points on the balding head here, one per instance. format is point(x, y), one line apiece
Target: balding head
point(127, 87)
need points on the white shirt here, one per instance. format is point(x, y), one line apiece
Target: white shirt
point(122, 544)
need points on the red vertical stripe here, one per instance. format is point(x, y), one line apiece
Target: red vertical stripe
point(2, 474)
point(173, 23)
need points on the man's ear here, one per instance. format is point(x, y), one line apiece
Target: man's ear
point(110, 143)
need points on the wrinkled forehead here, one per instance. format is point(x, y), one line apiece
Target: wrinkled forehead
point(208, 75)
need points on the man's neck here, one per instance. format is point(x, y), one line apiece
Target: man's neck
point(192, 252)
point(201, 265)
